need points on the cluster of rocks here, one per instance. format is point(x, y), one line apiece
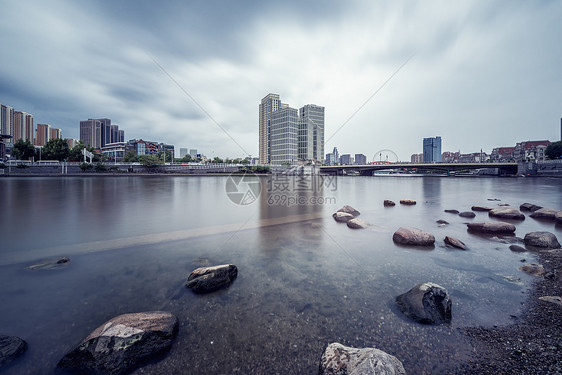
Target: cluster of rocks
point(125, 342)
point(348, 214)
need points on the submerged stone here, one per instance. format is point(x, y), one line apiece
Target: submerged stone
point(426, 303)
point(467, 214)
point(451, 241)
point(507, 212)
point(342, 217)
point(357, 224)
point(492, 227)
point(413, 236)
point(11, 347)
point(349, 210)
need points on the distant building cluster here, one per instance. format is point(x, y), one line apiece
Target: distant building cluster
point(528, 150)
point(290, 136)
point(334, 158)
point(16, 125)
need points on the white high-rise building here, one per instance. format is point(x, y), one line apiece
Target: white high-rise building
point(278, 139)
point(268, 105)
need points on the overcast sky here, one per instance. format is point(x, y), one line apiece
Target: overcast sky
point(480, 74)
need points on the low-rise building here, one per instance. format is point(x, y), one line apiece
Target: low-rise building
point(360, 159)
point(528, 150)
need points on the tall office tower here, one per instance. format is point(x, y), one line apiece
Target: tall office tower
point(193, 152)
point(306, 139)
point(183, 152)
point(105, 131)
point(432, 149)
point(315, 114)
point(283, 138)
point(23, 126)
point(336, 155)
point(6, 120)
point(43, 134)
point(91, 133)
point(121, 136)
point(360, 159)
point(268, 105)
point(114, 133)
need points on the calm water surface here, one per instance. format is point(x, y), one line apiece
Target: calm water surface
point(304, 280)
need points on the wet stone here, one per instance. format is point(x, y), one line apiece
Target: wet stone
point(388, 203)
point(11, 347)
point(407, 202)
point(451, 241)
point(467, 214)
point(545, 240)
point(413, 236)
point(507, 213)
point(50, 264)
point(342, 217)
point(209, 279)
point(533, 269)
point(338, 359)
point(426, 303)
point(349, 210)
point(452, 211)
point(122, 343)
point(357, 224)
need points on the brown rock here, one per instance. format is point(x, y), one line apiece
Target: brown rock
point(343, 360)
point(452, 211)
point(407, 202)
point(545, 213)
point(544, 240)
point(451, 241)
point(507, 213)
point(413, 236)
point(481, 208)
point(529, 207)
point(388, 203)
point(209, 279)
point(492, 227)
point(467, 214)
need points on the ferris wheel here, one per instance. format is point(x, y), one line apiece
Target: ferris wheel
point(385, 156)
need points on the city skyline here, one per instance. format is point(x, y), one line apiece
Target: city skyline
point(473, 75)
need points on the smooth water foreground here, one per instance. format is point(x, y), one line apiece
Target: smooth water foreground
point(304, 280)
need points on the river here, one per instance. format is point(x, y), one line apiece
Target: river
point(304, 280)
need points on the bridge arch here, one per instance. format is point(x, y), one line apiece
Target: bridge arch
point(385, 155)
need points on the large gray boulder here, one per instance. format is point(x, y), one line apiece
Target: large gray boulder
point(426, 303)
point(11, 347)
point(413, 236)
point(349, 210)
point(122, 343)
point(343, 360)
point(506, 212)
point(529, 207)
point(209, 279)
point(492, 227)
point(545, 213)
point(342, 217)
point(467, 214)
point(545, 240)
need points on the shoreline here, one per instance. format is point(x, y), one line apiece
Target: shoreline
point(531, 345)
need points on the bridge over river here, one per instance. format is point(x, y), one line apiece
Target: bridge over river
point(368, 169)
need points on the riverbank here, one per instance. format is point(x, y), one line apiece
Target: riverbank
point(532, 345)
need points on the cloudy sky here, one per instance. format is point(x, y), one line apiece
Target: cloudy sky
point(480, 74)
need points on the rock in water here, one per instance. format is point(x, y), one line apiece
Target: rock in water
point(388, 203)
point(533, 269)
point(558, 217)
point(342, 217)
point(122, 343)
point(349, 210)
point(506, 212)
point(50, 264)
point(481, 208)
point(209, 279)
point(467, 214)
point(11, 347)
point(517, 248)
point(357, 224)
point(343, 360)
point(545, 240)
point(426, 303)
point(407, 202)
point(492, 227)
point(413, 236)
point(552, 299)
point(451, 241)
point(529, 207)
point(544, 213)
point(452, 211)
